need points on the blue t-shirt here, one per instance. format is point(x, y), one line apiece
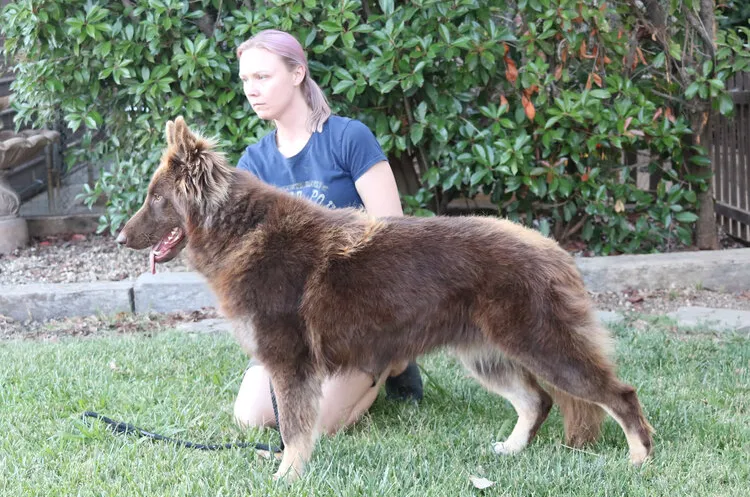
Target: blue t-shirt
point(325, 170)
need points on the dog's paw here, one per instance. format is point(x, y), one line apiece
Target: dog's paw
point(637, 458)
point(507, 448)
point(287, 473)
point(286, 477)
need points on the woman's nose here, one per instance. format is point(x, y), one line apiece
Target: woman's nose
point(250, 89)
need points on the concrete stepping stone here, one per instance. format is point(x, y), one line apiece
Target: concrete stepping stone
point(717, 319)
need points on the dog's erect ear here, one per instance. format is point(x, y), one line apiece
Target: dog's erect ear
point(169, 131)
point(183, 138)
point(200, 174)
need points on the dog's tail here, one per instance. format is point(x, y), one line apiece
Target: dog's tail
point(582, 420)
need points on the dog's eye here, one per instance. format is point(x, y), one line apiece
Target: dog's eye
point(157, 197)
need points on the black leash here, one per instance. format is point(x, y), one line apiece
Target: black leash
point(276, 415)
point(128, 429)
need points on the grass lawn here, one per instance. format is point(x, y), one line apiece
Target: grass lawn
point(695, 388)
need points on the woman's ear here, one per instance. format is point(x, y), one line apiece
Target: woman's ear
point(298, 75)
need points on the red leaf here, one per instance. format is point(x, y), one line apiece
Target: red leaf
point(670, 115)
point(640, 55)
point(511, 72)
point(528, 107)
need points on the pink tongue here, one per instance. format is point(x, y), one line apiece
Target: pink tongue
point(152, 261)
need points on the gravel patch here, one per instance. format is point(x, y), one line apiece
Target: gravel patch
point(81, 258)
point(664, 301)
point(76, 259)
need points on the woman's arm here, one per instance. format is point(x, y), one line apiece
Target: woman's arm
point(378, 190)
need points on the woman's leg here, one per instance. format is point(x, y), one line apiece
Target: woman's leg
point(345, 398)
point(253, 407)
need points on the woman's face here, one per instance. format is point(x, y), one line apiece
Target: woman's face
point(267, 82)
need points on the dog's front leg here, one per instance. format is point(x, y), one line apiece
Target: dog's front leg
point(298, 400)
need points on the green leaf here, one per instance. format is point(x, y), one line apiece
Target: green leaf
point(478, 176)
point(330, 27)
point(342, 86)
point(444, 33)
point(659, 60)
point(675, 50)
point(552, 121)
point(386, 6)
point(342, 73)
point(686, 217)
point(310, 37)
point(600, 93)
point(726, 104)
point(416, 133)
point(692, 89)
point(421, 112)
point(700, 160)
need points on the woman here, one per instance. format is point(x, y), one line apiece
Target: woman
point(334, 161)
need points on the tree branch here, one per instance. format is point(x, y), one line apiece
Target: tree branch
point(206, 24)
point(421, 159)
point(572, 230)
point(700, 28)
point(130, 6)
point(678, 100)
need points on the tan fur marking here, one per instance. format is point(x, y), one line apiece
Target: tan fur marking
point(352, 241)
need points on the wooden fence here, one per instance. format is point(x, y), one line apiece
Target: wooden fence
point(730, 156)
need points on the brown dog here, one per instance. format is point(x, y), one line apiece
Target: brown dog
point(312, 292)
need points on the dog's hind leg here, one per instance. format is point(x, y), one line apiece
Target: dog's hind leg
point(510, 380)
point(570, 361)
point(298, 399)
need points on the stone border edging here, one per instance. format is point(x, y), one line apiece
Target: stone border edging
point(721, 270)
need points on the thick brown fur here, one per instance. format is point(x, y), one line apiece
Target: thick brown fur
point(313, 291)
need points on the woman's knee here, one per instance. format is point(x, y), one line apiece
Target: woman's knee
point(252, 407)
point(345, 399)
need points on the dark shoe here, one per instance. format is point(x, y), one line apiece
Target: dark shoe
point(406, 386)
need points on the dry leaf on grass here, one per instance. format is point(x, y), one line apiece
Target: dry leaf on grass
point(480, 483)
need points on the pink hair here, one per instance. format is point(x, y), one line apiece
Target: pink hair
point(289, 49)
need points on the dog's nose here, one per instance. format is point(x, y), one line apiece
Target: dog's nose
point(121, 238)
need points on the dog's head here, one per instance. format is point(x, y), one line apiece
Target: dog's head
point(188, 188)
